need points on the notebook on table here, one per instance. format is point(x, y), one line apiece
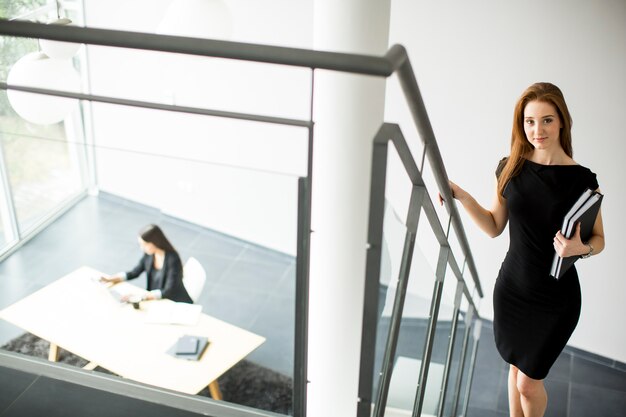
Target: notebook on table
point(189, 347)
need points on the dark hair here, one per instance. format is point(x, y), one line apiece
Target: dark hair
point(547, 93)
point(153, 234)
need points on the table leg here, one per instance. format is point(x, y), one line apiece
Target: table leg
point(214, 389)
point(90, 366)
point(53, 356)
point(53, 353)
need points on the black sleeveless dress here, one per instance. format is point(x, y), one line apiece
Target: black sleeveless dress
point(535, 314)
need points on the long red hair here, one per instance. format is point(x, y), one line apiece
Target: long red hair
point(520, 147)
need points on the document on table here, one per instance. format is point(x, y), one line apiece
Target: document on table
point(174, 313)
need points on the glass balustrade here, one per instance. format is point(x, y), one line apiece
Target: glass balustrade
point(424, 303)
point(232, 208)
point(230, 186)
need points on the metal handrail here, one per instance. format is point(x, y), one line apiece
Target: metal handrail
point(104, 384)
point(336, 61)
point(396, 60)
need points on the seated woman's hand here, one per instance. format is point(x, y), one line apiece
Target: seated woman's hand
point(132, 298)
point(113, 279)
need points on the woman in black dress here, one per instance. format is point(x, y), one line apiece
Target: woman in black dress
point(535, 314)
point(162, 265)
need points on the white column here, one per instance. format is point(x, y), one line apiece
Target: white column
point(348, 110)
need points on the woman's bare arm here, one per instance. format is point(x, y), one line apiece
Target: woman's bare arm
point(491, 221)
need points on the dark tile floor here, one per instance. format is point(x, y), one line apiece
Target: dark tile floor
point(253, 287)
point(579, 384)
point(247, 285)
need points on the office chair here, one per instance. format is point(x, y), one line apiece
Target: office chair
point(194, 277)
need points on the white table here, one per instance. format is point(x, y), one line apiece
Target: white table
point(79, 315)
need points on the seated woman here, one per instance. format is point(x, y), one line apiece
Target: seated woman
point(162, 265)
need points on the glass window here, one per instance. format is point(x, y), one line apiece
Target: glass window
point(3, 225)
point(42, 162)
point(42, 167)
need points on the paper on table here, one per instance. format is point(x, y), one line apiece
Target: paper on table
point(174, 313)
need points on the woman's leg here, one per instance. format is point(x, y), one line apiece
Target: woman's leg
point(515, 405)
point(533, 396)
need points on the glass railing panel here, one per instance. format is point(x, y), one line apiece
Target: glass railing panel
point(413, 329)
point(397, 111)
point(437, 367)
point(427, 241)
point(397, 186)
point(433, 190)
point(238, 222)
point(464, 352)
point(397, 193)
point(469, 282)
point(203, 82)
point(472, 289)
point(455, 364)
point(467, 369)
point(394, 233)
point(464, 305)
point(455, 247)
point(219, 141)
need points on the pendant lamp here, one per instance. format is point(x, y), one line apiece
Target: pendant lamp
point(38, 70)
point(58, 49)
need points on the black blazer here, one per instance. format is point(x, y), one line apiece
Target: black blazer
point(171, 285)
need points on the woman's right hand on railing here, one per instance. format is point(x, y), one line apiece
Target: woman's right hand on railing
point(457, 192)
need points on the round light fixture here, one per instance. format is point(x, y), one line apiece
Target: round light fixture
point(39, 71)
point(58, 49)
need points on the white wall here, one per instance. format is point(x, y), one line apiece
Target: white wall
point(236, 177)
point(472, 61)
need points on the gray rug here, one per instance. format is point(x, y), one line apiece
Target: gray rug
point(246, 383)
